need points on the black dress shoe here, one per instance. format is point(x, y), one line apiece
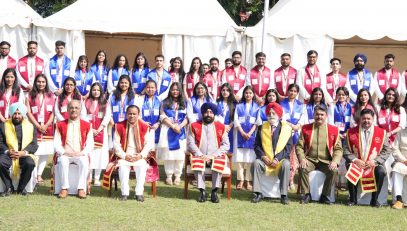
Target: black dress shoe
point(376, 204)
point(202, 196)
point(257, 198)
point(6, 193)
point(284, 200)
point(123, 198)
point(305, 199)
point(214, 197)
point(324, 200)
point(23, 193)
point(139, 198)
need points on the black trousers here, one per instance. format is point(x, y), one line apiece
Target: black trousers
point(380, 174)
point(27, 165)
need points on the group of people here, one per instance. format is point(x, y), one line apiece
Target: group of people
point(273, 122)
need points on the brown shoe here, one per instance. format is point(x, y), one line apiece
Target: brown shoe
point(81, 194)
point(398, 205)
point(63, 193)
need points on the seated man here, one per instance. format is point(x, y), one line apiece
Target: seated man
point(18, 142)
point(273, 145)
point(319, 148)
point(399, 167)
point(133, 140)
point(73, 141)
point(365, 153)
point(207, 141)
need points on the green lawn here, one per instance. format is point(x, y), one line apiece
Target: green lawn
point(169, 211)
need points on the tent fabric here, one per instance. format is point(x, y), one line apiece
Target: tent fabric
point(18, 13)
point(370, 20)
point(186, 17)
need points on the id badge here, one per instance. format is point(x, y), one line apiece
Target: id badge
point(64, 109)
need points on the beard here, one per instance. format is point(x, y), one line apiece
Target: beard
point(273, 120)
point(16, 121)
point(214, 69)
point(208, 119)
point(359, 67)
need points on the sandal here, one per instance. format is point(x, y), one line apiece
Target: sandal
point(249, 186)
point(239, 186)
point(40, 180)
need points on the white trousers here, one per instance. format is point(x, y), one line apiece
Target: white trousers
point(240, 171)
point(42, 162)
point(397, 183)
point(173, 167)
point(140, 168)
point(63, 170)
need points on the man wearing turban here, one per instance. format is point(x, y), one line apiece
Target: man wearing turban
point(208, 142)
point(359, 77)
point(18, 143)
point(272, 146)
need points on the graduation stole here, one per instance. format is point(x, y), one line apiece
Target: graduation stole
point(255, 80)
point(330, 83)
point(291, 78)
point(367, 177)
point(382, 81)
point(12, 143)
point(267, 144)
point(311, 81)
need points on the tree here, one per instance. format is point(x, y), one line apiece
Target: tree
point(48, 7)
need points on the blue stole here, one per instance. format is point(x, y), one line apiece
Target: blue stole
point(263, 115)
point(342, 117)
point(116, 77)
point(165, 80)
point(101, 79)
point(53, 69)
point(353, 77)
point(196, 106)
point(151, 115)
point(173, 137)
point(139, 80)
point(118, 109)
point(293, 117)
point(85, 88)
point(246, 122)
point(226, 116)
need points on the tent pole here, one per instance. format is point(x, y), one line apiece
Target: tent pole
point(266, 11)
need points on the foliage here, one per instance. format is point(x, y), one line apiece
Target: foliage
point(48, 7)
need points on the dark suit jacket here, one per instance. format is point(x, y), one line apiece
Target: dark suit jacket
point(258, 147)
point(31, 148)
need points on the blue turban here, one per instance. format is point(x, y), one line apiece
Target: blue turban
point(17, 106)
point(362, 56)
point(207, 106)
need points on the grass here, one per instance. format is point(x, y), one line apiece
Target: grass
point(169, 211)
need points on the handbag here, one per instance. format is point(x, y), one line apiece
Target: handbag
point(152, 174)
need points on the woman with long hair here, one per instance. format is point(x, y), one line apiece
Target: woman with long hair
point(83, 76)
point(97, 112)
point(226, 110)
point(194, 75)
point(100, 69)
point(271, 96)
point(199, 97)
point(245, 123)
point(363, 100)
point(172, 145)
point(120, 67)
point(316, 98)
point(40, 111)
point(69, 92)
point(139, 73)
point(10, 92)
point(177, 71)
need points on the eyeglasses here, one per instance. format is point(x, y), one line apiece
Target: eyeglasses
point(4, 48)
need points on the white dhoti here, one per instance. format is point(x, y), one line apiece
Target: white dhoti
point(140, 168)
point(82, 162)
point(398, 173)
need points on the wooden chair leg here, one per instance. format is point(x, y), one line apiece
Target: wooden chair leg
point(186, 182)
point(223, 186)
point(229, 187)
point(154, 189)
point(109, 192)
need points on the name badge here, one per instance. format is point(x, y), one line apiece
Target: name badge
point(297, 115)
point(63, 109)
point(353, 82)
point(115, 83)
point(23, 69)
point(1, 103)
point(88, 87)
point(34, 109)
point(367, 83)
point(115, 108)
point(308, 82)
point(50, 108)
point(394, 81)
point(89, 117)
point(347, 119)
point(329, 86)
point(266, 80)
point(156, 111)
point(100, 115)
point(231, 77)
point(278, 78)
point(78, 83)
point(189, 85)
point(252, 120)
point(290, 81)
point(66, 72)
point(236, 87)
point(316, 80)
point(242, 76)
point(166, 83)
point(254, 81)
point(395, 118)
point(143, 80)
point(104, 77)
point(39, 68)
point(381, 82)
point(135, 85)
point(41, 118)
point(242, 119)
point(146, 112)
point(53, 71)
point(382, 120)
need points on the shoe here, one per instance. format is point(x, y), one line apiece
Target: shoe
point(249, 186)
point(214, 197)
point(139, 198)
point(123, 198)
point(257, 198)
point(239, 186)
point(23, 193)
point(81, 194)
point(6, 193)
point(398, 205)
point(168, 181)
point(351, 203)
point(177, 180)
point(63, 193)
point(97, 183)
point(202, 196)
point(324, 200)
point(284, 200)
point(305, 199)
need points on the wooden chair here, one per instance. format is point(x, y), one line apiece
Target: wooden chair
point(189, 175)
point(115, 177)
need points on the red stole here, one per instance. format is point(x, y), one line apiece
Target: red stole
point(290, 78)
point(190, 81)
point(330, 83)
point(311, 81)
point(384, 84)
point(23, 68)
point(196, 129)
point(255, 80)
point(332, 139)
point(62, 127)
point(4, 102)
point(48, 103)
point(210, 81)
point(64, 106)
point(236, 81)
point(11, 63)
point(96, 119)
point(122, 130)
point(389, 122)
